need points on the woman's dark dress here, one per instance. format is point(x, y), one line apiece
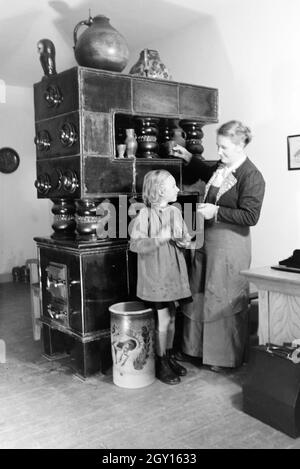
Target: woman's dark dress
point(215, 324)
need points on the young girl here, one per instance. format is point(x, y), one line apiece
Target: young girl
point(157, 235)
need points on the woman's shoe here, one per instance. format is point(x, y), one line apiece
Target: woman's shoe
point(220, 369)
point(184, 357)
point(216, 369)
point(181, 356)
point(178, 369)
point(164, 371)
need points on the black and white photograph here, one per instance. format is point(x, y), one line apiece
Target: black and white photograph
point(150, 228)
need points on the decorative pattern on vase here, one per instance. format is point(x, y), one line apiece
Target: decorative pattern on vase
point(149, 65)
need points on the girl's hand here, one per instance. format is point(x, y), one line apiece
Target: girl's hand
point(164, 235)
point(208, 211)
point(181, 152)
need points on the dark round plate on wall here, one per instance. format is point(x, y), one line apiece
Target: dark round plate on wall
point(9, 160)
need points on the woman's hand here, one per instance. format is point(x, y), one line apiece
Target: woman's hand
point(208, 211)
point(183, 243)
point(181, 152)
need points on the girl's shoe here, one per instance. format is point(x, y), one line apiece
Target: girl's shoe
point(164, 372)
point(178, 369)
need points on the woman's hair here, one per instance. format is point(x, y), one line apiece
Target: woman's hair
point(236, 131)
point(153, 182)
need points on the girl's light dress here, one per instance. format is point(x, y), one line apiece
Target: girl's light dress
point(162, 271)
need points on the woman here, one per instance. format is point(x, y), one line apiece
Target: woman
point(215, 323)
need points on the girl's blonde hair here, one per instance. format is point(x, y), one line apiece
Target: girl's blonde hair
point(153, 182)
point(236, 131)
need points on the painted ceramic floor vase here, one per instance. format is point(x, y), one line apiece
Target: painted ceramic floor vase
point(132, 344)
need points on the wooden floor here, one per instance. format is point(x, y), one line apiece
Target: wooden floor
point(43, 405)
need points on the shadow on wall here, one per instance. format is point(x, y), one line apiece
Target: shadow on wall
point(197, 54)
point(135, 20)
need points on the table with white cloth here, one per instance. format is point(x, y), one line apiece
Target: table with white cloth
point(279, 304)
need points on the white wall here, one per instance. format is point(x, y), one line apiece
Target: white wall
point(22, 215)
point(250, 53)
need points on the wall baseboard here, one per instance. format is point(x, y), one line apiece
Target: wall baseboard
point(4, 278)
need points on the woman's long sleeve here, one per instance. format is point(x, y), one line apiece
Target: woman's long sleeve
point(251, 191)
point(198, 169)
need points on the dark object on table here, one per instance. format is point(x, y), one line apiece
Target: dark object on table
point(291, 264)
point(292, 261)
point(46, 50)
point(271, 388)
point(286, 269)
point(9, 160)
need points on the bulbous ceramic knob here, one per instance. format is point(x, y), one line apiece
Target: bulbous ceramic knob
point(43, 184)
point(53, 96)
point(70, 181)
point(43, 140)
point(68, 134)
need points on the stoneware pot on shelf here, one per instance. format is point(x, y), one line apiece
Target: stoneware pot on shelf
point(130, 143)
point(149, 65)
point(100, 45)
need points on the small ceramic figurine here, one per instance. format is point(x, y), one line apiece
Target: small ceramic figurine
point(46, 50)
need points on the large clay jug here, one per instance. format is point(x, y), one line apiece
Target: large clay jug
point(100, 45)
